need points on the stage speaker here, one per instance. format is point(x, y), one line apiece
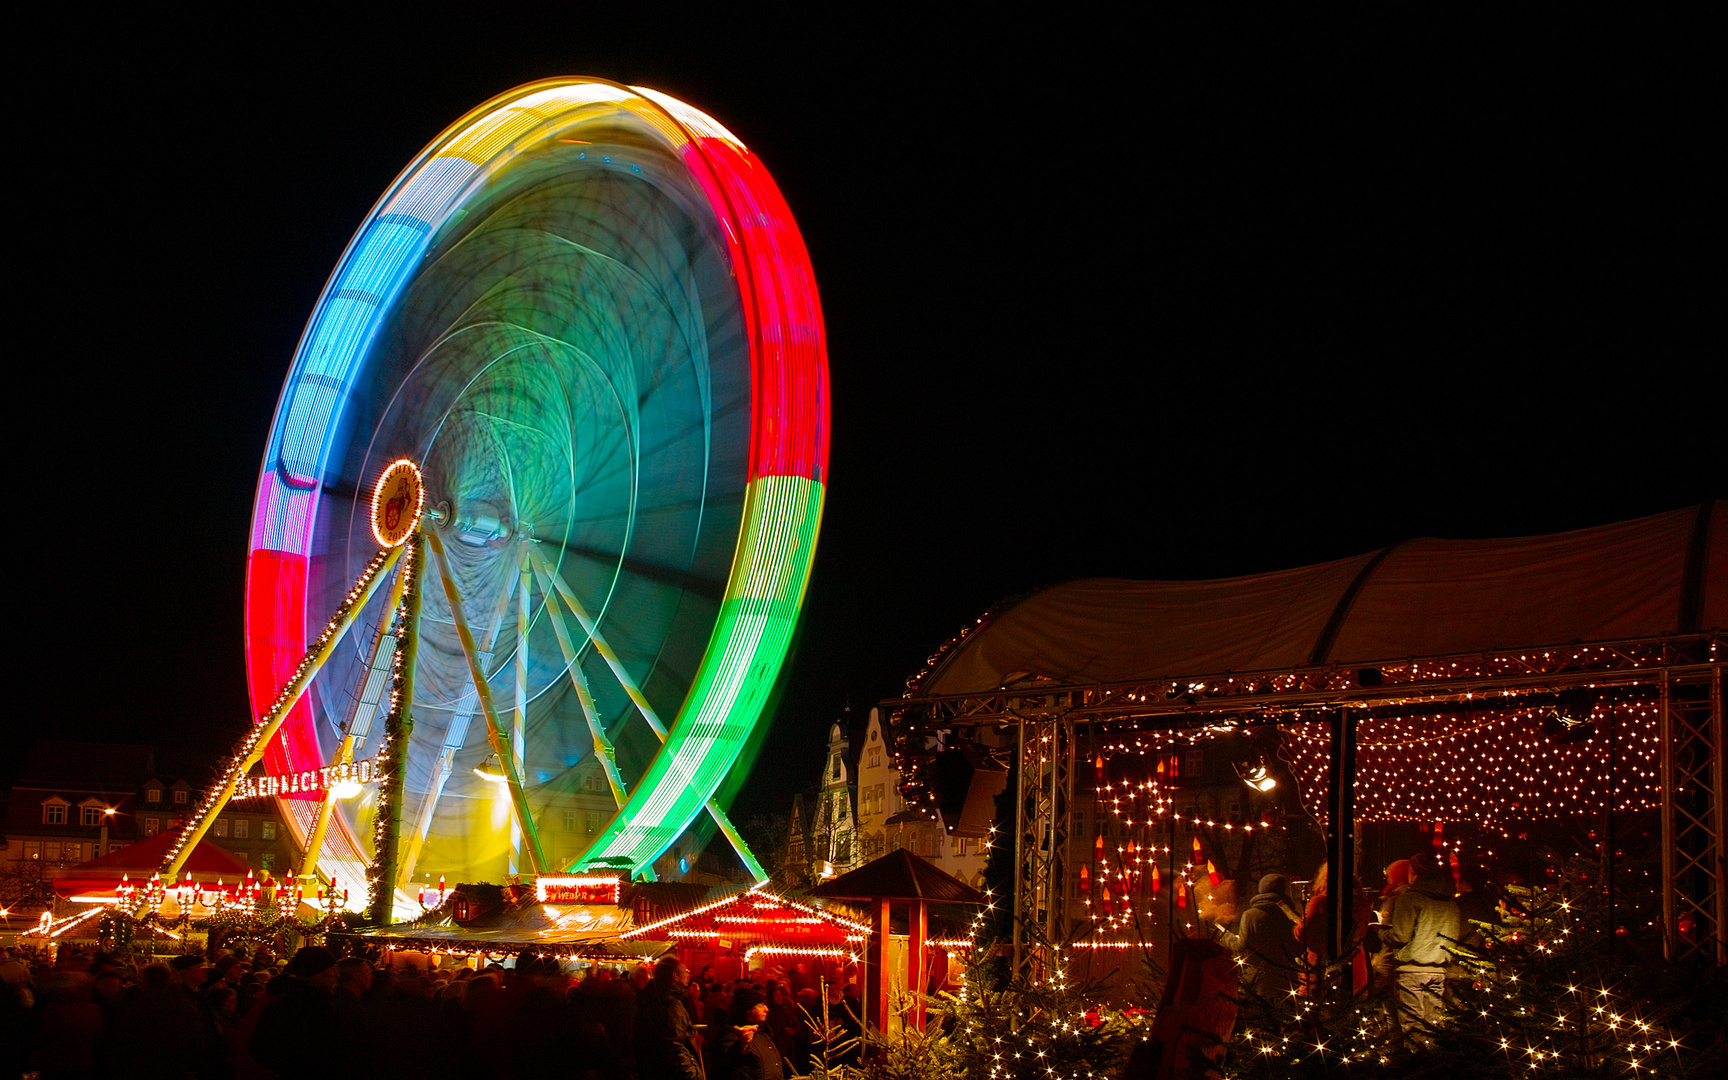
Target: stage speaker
point(967, 783)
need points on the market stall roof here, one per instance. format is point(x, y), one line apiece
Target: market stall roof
point(516, 922)
point(756, 915)
point(900, 875)
point(1660, 575)
point(100, 877)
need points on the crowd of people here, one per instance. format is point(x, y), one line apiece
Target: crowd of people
point(252, 1016)
point(1402, 945)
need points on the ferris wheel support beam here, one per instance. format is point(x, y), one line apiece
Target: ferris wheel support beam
point(253, 744)
point(345, 752)
point(519, 723)
point(494, 733)
point(604, 751)
point(455, 737)
point(600, 646)
point(603, 748)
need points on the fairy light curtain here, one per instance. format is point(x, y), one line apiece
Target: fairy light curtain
point(1487, 767)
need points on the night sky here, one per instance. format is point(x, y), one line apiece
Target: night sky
point(1101, 300)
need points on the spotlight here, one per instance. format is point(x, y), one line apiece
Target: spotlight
point(345, 789)
point(1256, 775)
point(492, 777)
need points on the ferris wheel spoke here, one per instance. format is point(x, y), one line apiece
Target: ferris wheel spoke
point(506, 757)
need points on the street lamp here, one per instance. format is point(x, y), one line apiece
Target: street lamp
point(107, 816)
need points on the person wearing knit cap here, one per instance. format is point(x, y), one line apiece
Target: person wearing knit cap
point(1422, 926)
point(747, 1049)
point(1271, 954)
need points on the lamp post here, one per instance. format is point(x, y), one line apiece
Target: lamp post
point(107, 816)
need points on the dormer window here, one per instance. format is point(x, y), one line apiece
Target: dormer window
point(180, 796)
point(54, 813)
point(92, 815)
point(153, 795)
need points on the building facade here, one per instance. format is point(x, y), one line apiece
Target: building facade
point(73, 802)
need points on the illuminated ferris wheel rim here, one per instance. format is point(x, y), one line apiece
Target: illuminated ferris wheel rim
point(788, 427)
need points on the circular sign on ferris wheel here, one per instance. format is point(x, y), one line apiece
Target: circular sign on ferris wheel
point(396, 503)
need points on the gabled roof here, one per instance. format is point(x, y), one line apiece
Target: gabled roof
point(143, 859)
point(900, 875)
point(1666, 574)
point(755, 915)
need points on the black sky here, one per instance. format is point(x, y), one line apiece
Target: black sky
point(1102, 300)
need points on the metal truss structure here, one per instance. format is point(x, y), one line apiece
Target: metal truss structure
point(1684, 670)
point(1044, 802)
point(1694, 900)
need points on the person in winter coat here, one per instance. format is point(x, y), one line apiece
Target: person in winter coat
point(1315, 927)
point(665, 1039)
point(1422, 923)
point(1271, 955)
point(747, 1049)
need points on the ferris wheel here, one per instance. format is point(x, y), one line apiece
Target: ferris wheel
point(540, 497)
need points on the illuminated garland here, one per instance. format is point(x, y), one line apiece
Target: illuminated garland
point(398, 724)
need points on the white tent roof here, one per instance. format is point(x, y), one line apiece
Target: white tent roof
point(1666, 574)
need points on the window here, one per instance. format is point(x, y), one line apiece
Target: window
point(51, 850)
point(593, 782)
point(221, 826)
point(152, 826)
point(593, 823)
point(54, 814)
point(153, 795)
point(92, 815)
point(33, 849)
point(569, 820)
point(180, 797)
point(267, 830)
point(1194, 763)
point(75, 852)
point(242, 829)
point(267, 861)
point(643, 911)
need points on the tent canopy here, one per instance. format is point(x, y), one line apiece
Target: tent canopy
point(1665, 574)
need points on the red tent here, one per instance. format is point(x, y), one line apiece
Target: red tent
point(100, 877)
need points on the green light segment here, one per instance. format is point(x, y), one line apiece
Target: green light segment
point(744, 656)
